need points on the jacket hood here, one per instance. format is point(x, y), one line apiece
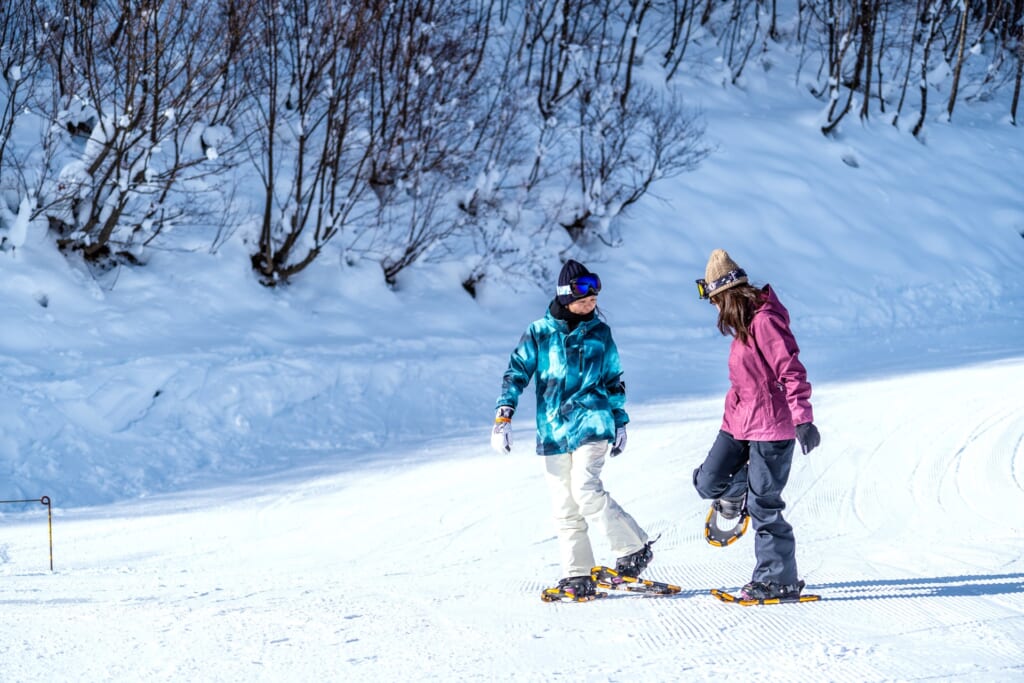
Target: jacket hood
point(771, 304)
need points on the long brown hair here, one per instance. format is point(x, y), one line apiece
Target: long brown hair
point(738, 305)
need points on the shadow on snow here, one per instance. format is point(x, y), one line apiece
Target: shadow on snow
point(939, 586)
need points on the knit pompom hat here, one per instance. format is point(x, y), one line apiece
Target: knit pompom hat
point(571, 270)
point(722, 272)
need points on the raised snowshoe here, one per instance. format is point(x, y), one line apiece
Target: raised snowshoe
point(717, 528)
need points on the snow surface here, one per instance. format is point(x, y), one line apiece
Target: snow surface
point(296, 484)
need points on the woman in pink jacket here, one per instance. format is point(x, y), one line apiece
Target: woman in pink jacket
point(767, 409)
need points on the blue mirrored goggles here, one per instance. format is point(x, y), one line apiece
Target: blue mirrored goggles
point(582, 286)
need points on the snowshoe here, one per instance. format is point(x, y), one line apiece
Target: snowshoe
point(716, 532)
point(606, 577)
point(762, 593)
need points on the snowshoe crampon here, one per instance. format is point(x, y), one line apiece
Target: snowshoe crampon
point(719, 535)
point(606, 577)
point(557, 594)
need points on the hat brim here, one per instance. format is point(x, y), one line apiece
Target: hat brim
point(728, 285)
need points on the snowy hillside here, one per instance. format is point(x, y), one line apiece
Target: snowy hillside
point(188, 372)
point(295, 484)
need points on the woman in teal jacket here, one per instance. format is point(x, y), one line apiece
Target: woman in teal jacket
point(573, 360)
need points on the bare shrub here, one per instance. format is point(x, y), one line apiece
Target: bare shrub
point(140, 88)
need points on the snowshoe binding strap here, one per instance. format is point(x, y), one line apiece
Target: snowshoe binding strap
point(608, 578)
point(557, 594)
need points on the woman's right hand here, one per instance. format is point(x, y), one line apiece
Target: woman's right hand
point(501, 434)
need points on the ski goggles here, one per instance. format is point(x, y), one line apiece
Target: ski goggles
point(705, 289)
point(582, 286)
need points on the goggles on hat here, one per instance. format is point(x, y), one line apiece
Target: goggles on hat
point(582, 286)
point(705, 289)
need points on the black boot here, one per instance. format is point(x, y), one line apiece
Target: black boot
point(578, 586)
point(761, 590)
point(634, 563)
point(728, 508)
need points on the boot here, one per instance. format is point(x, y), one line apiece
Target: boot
point(634, 563)
point(578, 586)
point(729, 508)
point(761, 590)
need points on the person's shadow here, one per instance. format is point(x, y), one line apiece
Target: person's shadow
point(939, 586)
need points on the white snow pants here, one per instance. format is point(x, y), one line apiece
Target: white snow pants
point(578, 498)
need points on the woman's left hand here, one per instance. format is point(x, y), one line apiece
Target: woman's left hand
point(619, 444)
point(808, 436)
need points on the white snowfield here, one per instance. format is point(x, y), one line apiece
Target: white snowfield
point(428, 565)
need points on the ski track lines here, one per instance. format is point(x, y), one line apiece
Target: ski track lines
point(1018, 462)
point(978, 474)
point(967, 468)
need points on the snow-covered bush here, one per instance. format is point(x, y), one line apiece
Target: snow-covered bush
point(128, 98)
point(493, 134)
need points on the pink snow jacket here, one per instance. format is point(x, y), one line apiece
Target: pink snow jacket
point(770, 393)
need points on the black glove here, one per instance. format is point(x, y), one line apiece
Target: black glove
point(808, 436)
point(619, 444)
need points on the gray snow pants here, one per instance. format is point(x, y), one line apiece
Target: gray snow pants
point(759, 470)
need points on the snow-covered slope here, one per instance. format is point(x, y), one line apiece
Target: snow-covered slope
point(427, 564)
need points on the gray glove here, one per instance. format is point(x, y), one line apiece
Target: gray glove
point(808, 436)
point(619, 444)
point(501, 435)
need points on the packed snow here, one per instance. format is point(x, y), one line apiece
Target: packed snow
point(296, 484)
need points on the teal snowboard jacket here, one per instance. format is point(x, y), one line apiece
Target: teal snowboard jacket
point(580, 392)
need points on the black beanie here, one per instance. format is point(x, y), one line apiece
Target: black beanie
point(571, 269)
